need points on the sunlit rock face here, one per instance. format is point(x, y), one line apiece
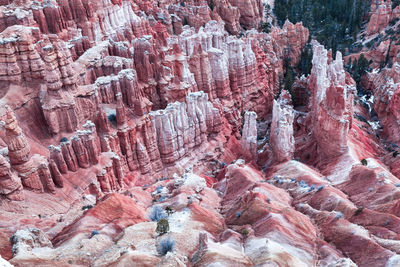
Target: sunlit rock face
point(118, 116)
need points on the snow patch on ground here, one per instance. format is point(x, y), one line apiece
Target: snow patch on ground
point(194, 180)
point(4, 263)
point(393, 261)
point(268, 2)
point(374, 125)
point(227, 251)
point(340, 172)
point(264, 249)
point(178, 220)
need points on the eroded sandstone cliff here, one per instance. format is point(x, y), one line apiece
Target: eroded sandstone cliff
point(117, 114)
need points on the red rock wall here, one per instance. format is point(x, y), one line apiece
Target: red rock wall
point(139, 71)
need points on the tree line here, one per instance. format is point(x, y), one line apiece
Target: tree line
point(334, 23)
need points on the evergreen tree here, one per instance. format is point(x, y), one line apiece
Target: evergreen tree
point(359, 68)
point(334, 23)
point(305, 63)
point(395, 3)
point(266, 27)
point(211, 5)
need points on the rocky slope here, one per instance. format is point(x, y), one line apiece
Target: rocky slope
point(119, 116)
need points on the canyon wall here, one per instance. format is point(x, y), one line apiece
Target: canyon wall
point(118, 115)
point(109, 79)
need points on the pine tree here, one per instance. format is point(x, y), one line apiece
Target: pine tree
point(332, 22)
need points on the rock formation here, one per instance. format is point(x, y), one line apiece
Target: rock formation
point(10, 185)
point(249, 136)
point(384, 86)
point(332, 102)
point(282, 140)
point(119, 113)
point(381, 14)
point(289, 41)
point(19, 153)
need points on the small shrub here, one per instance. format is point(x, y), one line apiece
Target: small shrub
point(266, 27)
point(303, 184)
point(112, 118)
point(395, 154)
point(63, 140)
point(395, 3)
point(211, 5)
point(157, 214)
point(94, 232)
point(358, 211)
point(13, 239)
point(166, 245)
point(159, 189)
point(320, 188)
point(87, 207)
point(162, 198)
point(338, 215)
point(393, 21)
point(168, 210)
point(245, 232)
point(387, 222)
point(312, 187)
point(364, 162)
point(162, 226)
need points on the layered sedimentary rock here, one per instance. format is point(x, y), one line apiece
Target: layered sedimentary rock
point(22, 60)
point(19, 153)
point(229, 14)
point(180, 127)
point(161, 137)
point(381, 14)
point(96, 19)
point(250, 204)
point(249, 136)
point(332, 102)
point(281, 136)
point(232, 68)
point(129, 112)
point(194, 14)
point(251, 13)
point(289, 41)
point(10, 184)
point(385, 87)
point(81, 151)
point(337, 209)
point(162, 79)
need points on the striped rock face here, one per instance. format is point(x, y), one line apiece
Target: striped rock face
point(117, 114)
